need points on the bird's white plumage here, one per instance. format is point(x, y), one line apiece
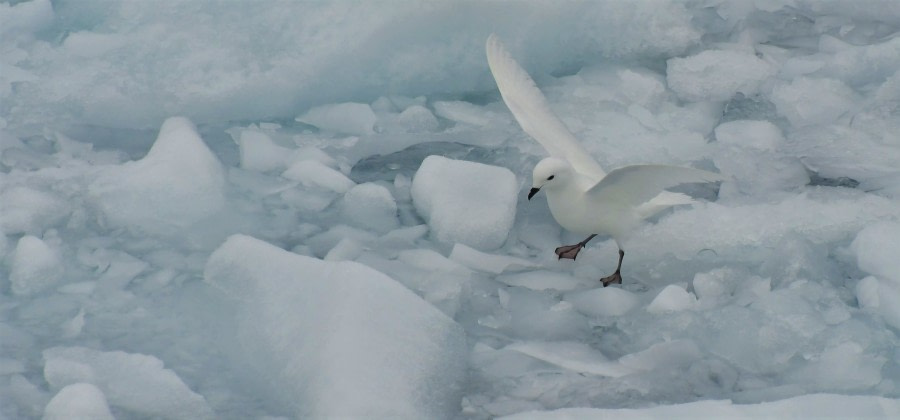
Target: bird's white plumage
point(582, 197)
point(531, 110)
point(637, 184)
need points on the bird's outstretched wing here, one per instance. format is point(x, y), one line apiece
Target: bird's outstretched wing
point(530, 108)
point(637, 184)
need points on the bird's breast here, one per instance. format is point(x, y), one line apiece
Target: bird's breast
point(574, 213)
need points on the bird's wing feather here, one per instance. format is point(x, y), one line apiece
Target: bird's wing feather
point(636, 184)
point(529, 106)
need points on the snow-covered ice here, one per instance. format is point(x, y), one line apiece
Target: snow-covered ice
point(338, 339)
point(465, 202)
point(134, 382)
point(80, 401)
point(178, 183)
point(672, 299)
point(387, 259)
point(26, 210)
point(35, 267)
point(370, 206)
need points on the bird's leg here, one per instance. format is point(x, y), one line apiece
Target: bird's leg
point(571, 251)
point(615, 278)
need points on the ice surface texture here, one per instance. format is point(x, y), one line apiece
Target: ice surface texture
point(339, 339)
point(293, 54)
point(304, 125)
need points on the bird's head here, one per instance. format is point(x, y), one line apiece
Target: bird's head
point(549, 173)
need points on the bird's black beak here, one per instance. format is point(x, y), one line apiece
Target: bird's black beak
point(533, 192)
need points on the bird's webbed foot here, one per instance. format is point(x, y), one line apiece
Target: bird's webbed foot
point(569, 251)
point(614, 278)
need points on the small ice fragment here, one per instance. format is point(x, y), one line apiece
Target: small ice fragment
point(314, 173)
point(672, 299)
point(349, 118)
point(490, 263)
point(35, 267)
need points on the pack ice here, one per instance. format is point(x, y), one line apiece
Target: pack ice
point(338, 339)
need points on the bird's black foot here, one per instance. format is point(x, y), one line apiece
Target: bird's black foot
point(614, 278)
point(569, 251)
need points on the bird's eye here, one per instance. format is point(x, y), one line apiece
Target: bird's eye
point(550, 177)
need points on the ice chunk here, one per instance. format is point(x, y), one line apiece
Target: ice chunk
point(346, 249)
point(430, 260)
point(178, 183)
point(672, 299)
point(80, 401)
point(867, 293)
point(418, 119)
point(739, 228)
point(809, 101)
point(537, 315)
point(799, 408)
point(132, 381)
point(844, 367)
point(260, 153)
point(438, 280)
point(370, 206)
point(714, 75)
point(27, 210)
point(606, 301)
point(349, 118)
point(465, 112)
point(541, 280)
point(312, 153)
point(642, 88)
point(848, 155)
point(574, 356)
point(881, 296)
point(313, 173)
point(861, 65)
point(321, 243)
point(339, 339)
point(662, 355)
point(490, 263)
point(465, 202)
point(877, 248)
point(758, 135)
point(35, 267)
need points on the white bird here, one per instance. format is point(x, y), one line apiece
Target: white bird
point(582, 197)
